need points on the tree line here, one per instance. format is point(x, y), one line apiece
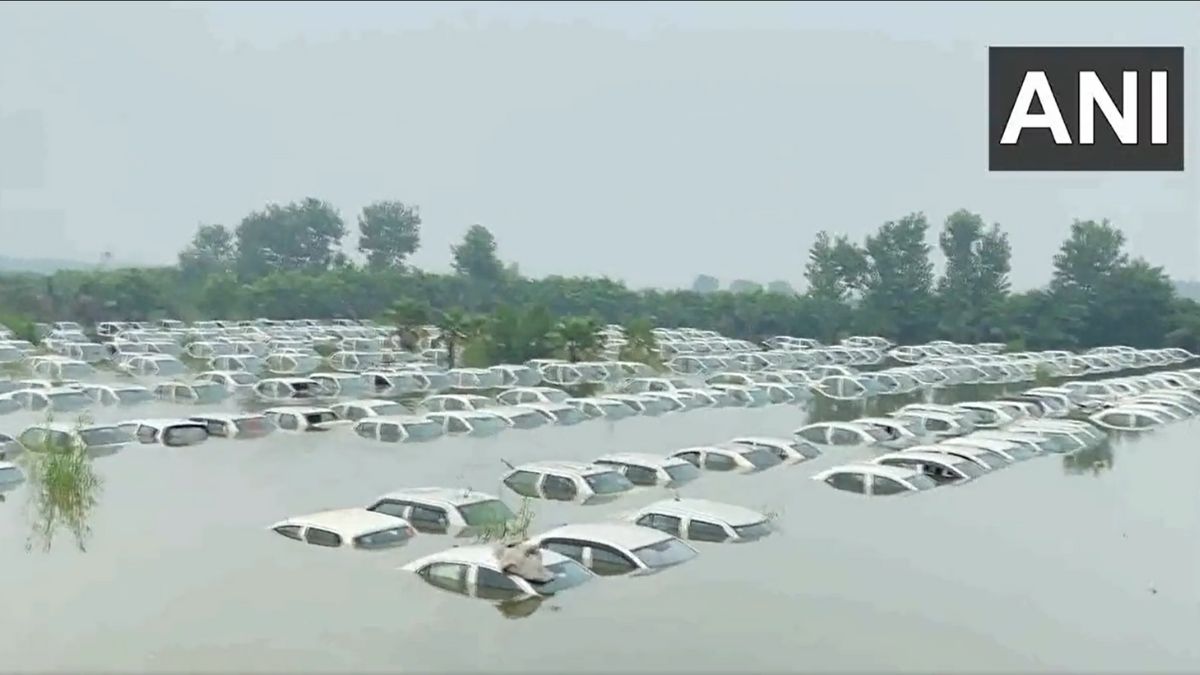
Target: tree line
point(288, 261)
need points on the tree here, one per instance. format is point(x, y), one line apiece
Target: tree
point(781, 287)
point(453, 327)
point(835, 268)
point(210, 251)
point(578, 336)
point(706, 284)
point(744, 286)
point(640, 343)
point(300, 236)
point(389, 232)
point(898, 290)
point(408, 316)
point(976, 279)
point(476, 258)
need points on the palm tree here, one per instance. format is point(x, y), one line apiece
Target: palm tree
point(578, 336)
point(455, 328)
point(640, 343)
point(407, 316)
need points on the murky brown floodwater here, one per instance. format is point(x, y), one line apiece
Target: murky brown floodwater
point(1045, 565)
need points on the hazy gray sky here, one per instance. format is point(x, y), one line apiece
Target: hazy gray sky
point(649, 142)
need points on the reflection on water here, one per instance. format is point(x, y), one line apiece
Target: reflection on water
point(999, 574)
point(1090, 460)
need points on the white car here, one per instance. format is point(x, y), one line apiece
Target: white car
point(843, 433)
point(561, 414)
point(154, 365)
point(191, 393)
point(354, 528)
point(875, 480)
point(520, 417)
point(456, 403)
point(169, 432)
point(644, 469)
point(519, 395)
point(704, 520)
point(728, 457)
point(118, 395)
point(611, 549)
point(469, 423)
point(944, 468)
point(398, 428)
point(1129, 418)
point(234, 382)
point(567, 481)
point(288, 389)
point(440, 510)
point(371, 407)
point(243, 426)
point(475, 571)
point(98, 440)
point(788, 450)
point(59, 399)
point(305, 418)
point(640, 403)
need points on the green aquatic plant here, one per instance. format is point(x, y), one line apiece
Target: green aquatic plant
point(510, 530)
point(63, 490)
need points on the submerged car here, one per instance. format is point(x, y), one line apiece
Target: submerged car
point(476, 571)
point(729, 457)
point(876, 479)
point(611, 549)
point(704, 520)
point(644, 469)
point(567, 481)
point(440, 510)
point(358, 529)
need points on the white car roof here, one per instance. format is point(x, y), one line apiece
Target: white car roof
point(227, 417)
point(642, 459)
point(888, 471)
point(369, 402)
point(764, 440)
point(475, 554)
point(399, 419)
point(977, 442)
point(440, 495)
point(299, 410)
point(160, 422)
point(350, 523)
point(68, 428)
point(287, 380)
point(943, 456)
point(553, 466)
point(625, 535)
point(702, 508)
point(548, 407)
point(512, 410)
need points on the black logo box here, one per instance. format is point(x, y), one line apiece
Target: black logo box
point(1036, 150)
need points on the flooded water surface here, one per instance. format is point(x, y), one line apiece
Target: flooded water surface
point(1050, 564)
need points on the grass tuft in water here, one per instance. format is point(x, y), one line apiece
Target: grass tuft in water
point(63, 489)
point(509, 531)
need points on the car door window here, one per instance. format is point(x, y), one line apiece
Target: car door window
point(365, 429)
point(492, 585)
point(933, 424)
point(33, 438)
point(664, 523)
point(392, 507)
point(146, 434)
point(455, 425)
point(572, 550)
point(390, 433)
point(428, 519)
point(320, 537)
point(691, 457)
point(850, 482)
point(814, 434)
point(640, 475)
point(523, 483)
point(108, 398)
point(559, 488)
point(288, 421)
point(289, 531)
point(882, 485)
point(447, 576)
point(700, 530)
point(839, 436)
point(610, 562)
point(714, 461)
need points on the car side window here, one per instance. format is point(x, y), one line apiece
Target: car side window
point(640, 475)
point(289, 531)
point(492, 585)
point(146, 434)
point(389, 433)
point(315, 535)
point(610, 562)
point(391, 507)
point(365, 429)
point(447, 576)
point(569, 549)
point(665, 523)
point(429, 519)
point(814, 434)
point(850, 482)
point(937, 425)
point(714, 461)
point(288, 421)
point(882, 485)
point(523, 483)
point(699, 530)
point(691, 457)
point(839, 436)
point(557, 487)
point(455, 425)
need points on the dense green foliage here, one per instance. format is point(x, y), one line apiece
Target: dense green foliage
point(286, 261)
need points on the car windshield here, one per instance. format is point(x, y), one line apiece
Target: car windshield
point(878, 433)
point(209, 392)
point(527, 420)
point(488, 512)
point(554, 395)
point(394, 536)
point(568, 416)
point(69, 400)
point(682, 473)
point(971, 469)
point(665, 553)
point(131, 396)
point(321, 417)
point(761, 459)
point(422, 431)
point(567, 574)
point(754, 530)
point(170, 367)
point(104, 436)
point(608, 482)
point(486, 425)
point(805, 450)
point(184, 435)
point(1059, 443)
point(388, 409)
point(615, 409)
point(254, 426)
point(243, 378)
point(921, 482)
point(1020, 451)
